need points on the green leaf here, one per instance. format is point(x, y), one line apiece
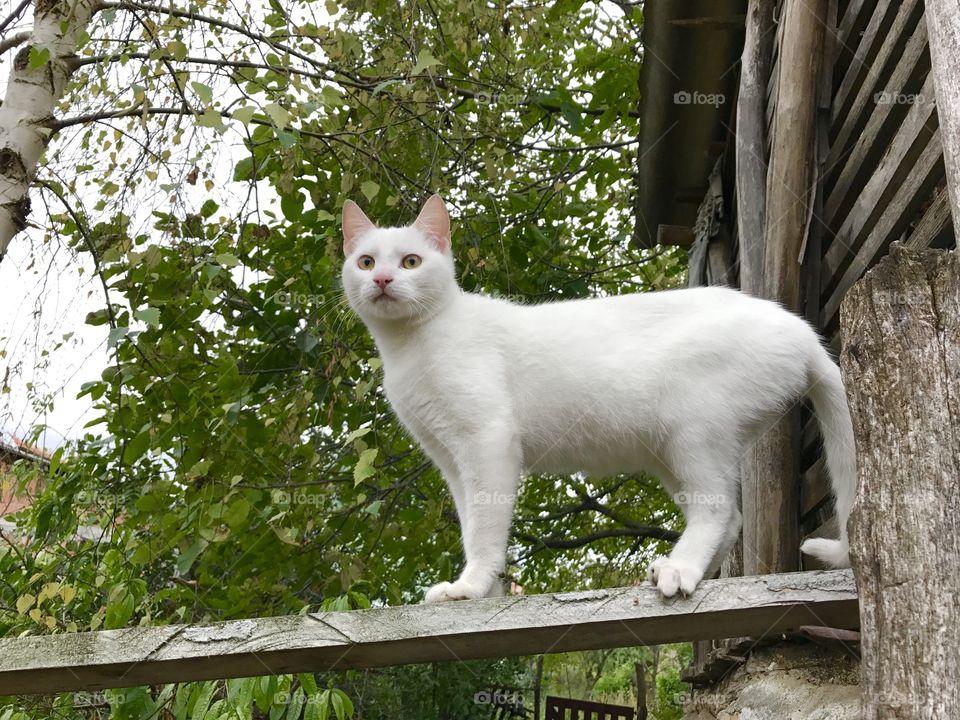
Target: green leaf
point(342, 705)
point(186, 559)
point(424, 61)
point(227, 260)
point(116, 335)
point(204, 92)
point(279, 116)
point(210, 119)
point(136, 447)
point(39, 56)
point(358, 433)
point(243, 114)
point(291, 205)
point(150, 316)
point(364, 467)
point(119, 612)
point(177, 49)
point(369, 189)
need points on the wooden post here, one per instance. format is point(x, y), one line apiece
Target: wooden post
point(641, 671)
point(771, 490)
point(751, 139)
point(901, 361)
point(943, 28)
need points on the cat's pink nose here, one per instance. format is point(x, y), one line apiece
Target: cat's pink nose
point(382, 280)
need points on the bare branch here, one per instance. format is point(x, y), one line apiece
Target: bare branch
point(14, 40)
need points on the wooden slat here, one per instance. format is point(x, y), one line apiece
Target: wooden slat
point(814, 486)
point(496, 627)
point(897, 213)
point(849, 122)
point(871, 201)
point(855, 19)
point(882, 124)
point(933, 223)
point(866, 47)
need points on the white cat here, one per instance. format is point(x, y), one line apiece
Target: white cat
point(678, 383)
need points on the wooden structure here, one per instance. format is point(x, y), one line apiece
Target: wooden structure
point(788, 144)
point(496, 627)
point(567, 709)
point(903, 355)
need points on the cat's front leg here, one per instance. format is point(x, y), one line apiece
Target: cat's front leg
point(490, 468)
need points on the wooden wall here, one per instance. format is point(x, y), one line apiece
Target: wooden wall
point(883, 179)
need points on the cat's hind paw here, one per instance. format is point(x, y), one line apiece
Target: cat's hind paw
point(670, 577)
point(459, 590)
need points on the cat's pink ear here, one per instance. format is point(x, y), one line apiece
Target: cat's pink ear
point(434, 222)
point(355, 224)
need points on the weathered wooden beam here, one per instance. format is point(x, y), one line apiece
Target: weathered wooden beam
point(901, 361)
point(943, 26)
point(771, 490)
point(936, 218)
point(497, 627)
point(896, 213)
point(751, 150)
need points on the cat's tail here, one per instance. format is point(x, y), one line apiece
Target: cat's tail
point(830, 406)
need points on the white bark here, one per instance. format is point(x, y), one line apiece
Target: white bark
point(32, 95)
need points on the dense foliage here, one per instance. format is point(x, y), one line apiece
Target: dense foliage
point(244, 462)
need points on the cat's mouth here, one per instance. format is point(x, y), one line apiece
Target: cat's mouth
point(383, 296)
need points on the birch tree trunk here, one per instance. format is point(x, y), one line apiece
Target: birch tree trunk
point(36, 83)
point(901, 363)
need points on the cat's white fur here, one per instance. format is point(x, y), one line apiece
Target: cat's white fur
point(678, 383)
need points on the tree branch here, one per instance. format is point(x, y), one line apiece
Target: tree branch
point(14, 40)
point(559, 543)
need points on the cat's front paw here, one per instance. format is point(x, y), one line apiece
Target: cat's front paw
point(459, 590)
point(670, 576)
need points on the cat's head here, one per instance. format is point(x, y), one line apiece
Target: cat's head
point(396, 274)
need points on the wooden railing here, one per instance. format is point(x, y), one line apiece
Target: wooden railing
point(498, 627)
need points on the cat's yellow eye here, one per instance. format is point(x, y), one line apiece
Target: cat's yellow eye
point(365, 262)
point(412, 261)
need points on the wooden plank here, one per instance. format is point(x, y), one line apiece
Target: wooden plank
point(867, 47)
point(933, 223)
point(814, 487)
point(850, 118)
point(943, 24)
point(896, 216)
point(855, 19)
point(872, 199)
point(881, 126)
point(456, 631)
